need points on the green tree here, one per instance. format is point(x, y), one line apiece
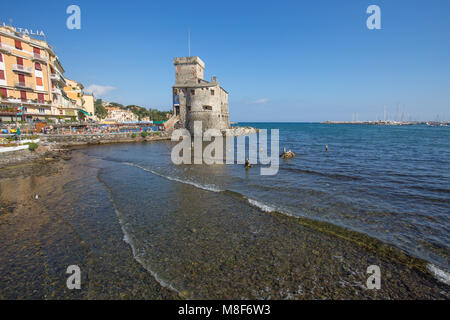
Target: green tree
point(100, 111)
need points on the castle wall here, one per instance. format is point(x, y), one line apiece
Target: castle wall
point(198, 99)
point(208, 105)
point(188, 70)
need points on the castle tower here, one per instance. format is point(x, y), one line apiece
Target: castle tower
point(195, 99)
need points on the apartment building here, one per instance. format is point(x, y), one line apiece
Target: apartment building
point(74, 91)
point(31, 80)
point(118, 115)
point(89, 105)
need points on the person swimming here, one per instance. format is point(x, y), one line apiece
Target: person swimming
point(247, 164)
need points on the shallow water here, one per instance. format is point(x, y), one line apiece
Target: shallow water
point(219, 231)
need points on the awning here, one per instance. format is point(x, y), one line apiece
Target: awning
point(86, 113)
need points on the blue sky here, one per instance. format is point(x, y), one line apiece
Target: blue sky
point(279, 60)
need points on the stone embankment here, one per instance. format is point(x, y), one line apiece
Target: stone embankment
point(65, 140)
point(53, 147)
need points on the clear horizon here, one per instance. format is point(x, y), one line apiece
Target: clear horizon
point(280, 61)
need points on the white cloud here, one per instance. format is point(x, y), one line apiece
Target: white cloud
point(99, 90)
point(259, 101)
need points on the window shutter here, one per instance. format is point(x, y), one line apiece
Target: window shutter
point(23, 95)
point(2, 75)
point(1, 57)
point(18, 44)
point(39, 81)
point(40, 97)
point(4, 92)
point(21, 78)
point(36, 50)
point(20, 61)
point(37, 66)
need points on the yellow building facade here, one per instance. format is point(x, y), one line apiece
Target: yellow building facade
point(31, 80)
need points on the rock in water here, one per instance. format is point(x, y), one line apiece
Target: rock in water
point(287, 154)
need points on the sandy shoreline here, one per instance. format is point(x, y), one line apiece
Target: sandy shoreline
point(38, 241)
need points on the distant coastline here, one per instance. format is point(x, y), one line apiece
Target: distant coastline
point(391, 123)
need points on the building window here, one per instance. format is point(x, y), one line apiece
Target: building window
point(209, 108)
point(38, 66)
point(20, 61)
point(40, 97)
point(39, 81)
point(193, 92)
point(23, 95)
point(3, 93)
point(41, 110)
point(212, 92)
point(2, 74)
point(21, 79)
point(1, 57)
point(189, 108)
point(18, 44)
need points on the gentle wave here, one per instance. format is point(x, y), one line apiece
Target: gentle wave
point(207, 187)
point(262, 206)
point(439, 274)
point(127, 238)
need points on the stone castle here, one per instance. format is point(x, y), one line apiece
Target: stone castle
point(195, 99)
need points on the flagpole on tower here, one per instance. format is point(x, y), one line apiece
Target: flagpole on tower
point(189, 41)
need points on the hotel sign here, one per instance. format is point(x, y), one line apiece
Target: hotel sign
point(29, 32)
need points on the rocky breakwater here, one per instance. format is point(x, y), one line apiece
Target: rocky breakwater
point(240, 131)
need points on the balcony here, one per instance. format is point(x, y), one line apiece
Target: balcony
point(39, 57)
point(5, 48)
point(24, 85)
point(58, 78)
point(19, 101)
point(21, 68)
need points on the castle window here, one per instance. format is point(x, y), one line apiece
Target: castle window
point(189, 108)
point(212, 92)
point(193, 92)
point(209, 108)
